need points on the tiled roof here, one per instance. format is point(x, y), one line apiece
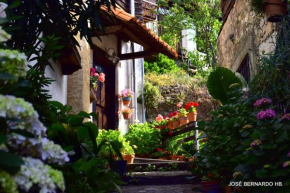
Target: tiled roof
point(139, 29)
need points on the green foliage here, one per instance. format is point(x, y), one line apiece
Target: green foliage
point(200, 15)
point(117, 138)
point(78, 137)
point(29, 18)
point(143, 138)
point(162, 65)
point(273, 69)
point(258, 6)
point(220, 82)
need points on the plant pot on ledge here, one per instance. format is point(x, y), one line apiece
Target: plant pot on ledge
point(177, 157)
point(126, 101)
point(175, 124)
point(191, 117)
point(170, 125)
point(129, 158)
point(183, 120)
point(126, 116)
point(275, 10)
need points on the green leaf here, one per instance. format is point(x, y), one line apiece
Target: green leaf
point(82, 133)
point(87, 165)
point(218, 84)
point(261, 173)
point(278, 173)
point(3, 138)
point(269, 146)
point(287, 182)
point(10, 162)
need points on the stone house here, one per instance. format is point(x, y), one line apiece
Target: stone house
point(243, 37)
point(130, 40)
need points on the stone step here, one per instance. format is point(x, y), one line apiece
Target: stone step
point(159, 165)
point(161, 178)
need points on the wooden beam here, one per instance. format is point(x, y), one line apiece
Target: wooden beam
point(137, 55)
point(135, 38)
point(109, 30)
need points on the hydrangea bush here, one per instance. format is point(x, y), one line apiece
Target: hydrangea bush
point(25, 150)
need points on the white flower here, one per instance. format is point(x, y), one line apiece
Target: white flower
point(53, 153)
point(34, 172)
point(3, 6)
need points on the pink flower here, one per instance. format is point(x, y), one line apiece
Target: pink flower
point(159, 118)
point(268, 113)
point(256, 142)
point(262, 102)
point(101, 79)
point(93, 70)
point(179, 105)
point(102, 74)
point(96, 74)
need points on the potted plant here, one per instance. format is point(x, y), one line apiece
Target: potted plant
point(174, 119)
point(94, 78)
point(128, 152)
point(183, 116)
point(160, 122)
point(190, 107)
point(210, 184)
point(174, 149)
point(126, 96)
point(126, 112)
point(274, 9)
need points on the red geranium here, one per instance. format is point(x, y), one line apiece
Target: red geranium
point(159, 149)
point(210, 175)
point(191, 106)
point(170, 133)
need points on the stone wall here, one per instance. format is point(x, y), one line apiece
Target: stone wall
point(175, 93)
point(244, 33)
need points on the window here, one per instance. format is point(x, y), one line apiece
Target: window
point(244, 68)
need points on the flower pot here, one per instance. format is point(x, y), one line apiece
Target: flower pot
point(275, 10)
point(126, 116)
point(129, 158)
point(177, 157)
point(175, 124)
point(210, 186)
point(92, 94)
point(183, 120)
point(126, 101)
point(170, 125)
point(191, 116)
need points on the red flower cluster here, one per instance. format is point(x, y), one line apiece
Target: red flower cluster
point(159, 149)
point(210, 175)
point(170, 133)
point(173, 114)
point(191, 104)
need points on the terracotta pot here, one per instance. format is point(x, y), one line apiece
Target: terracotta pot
point(183, 120)
point(275, 10)
point(175, 124)
point(210, 186)
point(170, 125)
point(177, 157)
point(191, 116)
point(126, 116)
point(126, 101)
point(129, 158)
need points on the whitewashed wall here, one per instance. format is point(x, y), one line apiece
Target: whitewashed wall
point(58, 88)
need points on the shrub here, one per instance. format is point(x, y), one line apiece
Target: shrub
point(162, 65)
point(143, 138)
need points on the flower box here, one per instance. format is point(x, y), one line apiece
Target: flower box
point(183, 120)
point(191, 116)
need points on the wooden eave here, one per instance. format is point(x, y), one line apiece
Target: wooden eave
point(127, 27)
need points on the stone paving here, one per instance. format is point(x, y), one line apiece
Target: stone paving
point(178, 188)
